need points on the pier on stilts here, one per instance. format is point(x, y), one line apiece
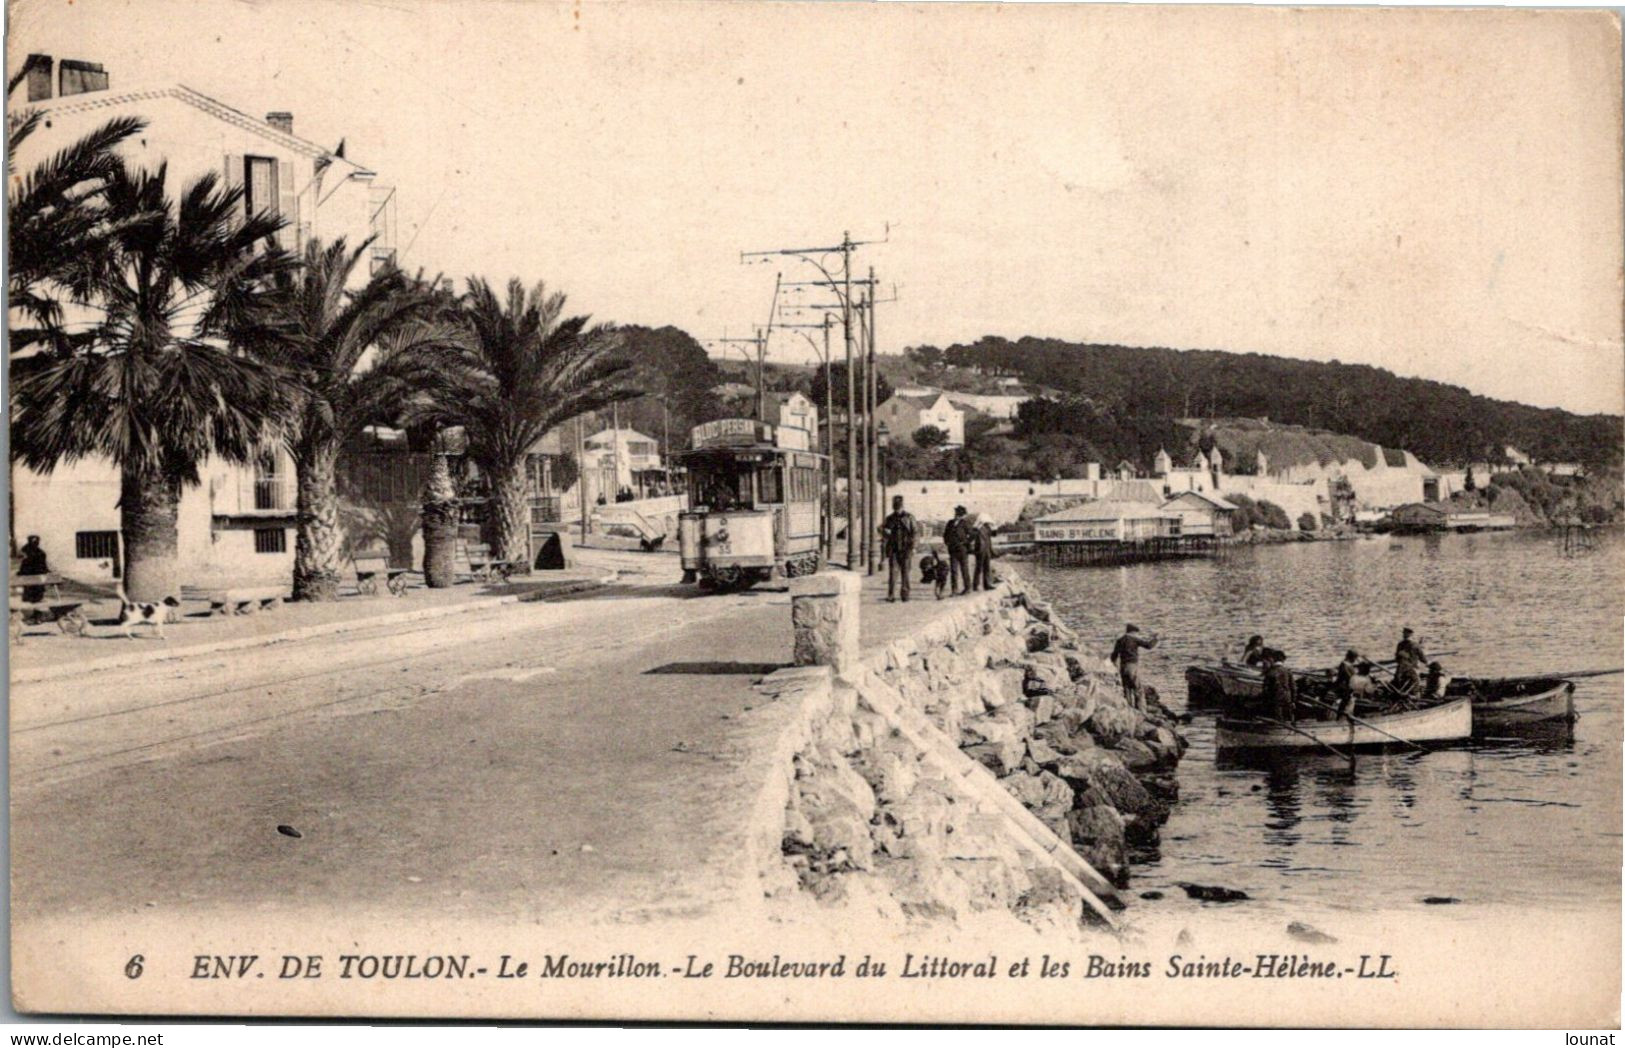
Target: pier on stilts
point(1127, 551)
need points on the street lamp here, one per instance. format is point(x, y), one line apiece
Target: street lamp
point(882, 439)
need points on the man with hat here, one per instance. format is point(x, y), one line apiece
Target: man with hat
point(1346, 686)
point(1409, 658)
point(898, 544)
point(957, 537)
point(1126, 656)
point(1280, 694)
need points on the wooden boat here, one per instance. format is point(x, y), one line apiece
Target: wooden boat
point(1508, 702)
point(1449, 720)
point(1211, 686)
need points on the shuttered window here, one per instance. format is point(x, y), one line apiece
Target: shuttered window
point(270, 540)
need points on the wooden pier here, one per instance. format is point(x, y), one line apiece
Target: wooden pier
point(1082, 554)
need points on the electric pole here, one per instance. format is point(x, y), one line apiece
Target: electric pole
point(876, 509)
point(843, 287)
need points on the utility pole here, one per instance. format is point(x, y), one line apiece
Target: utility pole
point(581, 475)
point(761, 352)
point(875, 508)
point(827, 517)
point(865, 441)
point(759, 342)
point(843, 286)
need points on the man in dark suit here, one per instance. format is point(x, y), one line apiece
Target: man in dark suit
point(956, 536)
point(898, 543)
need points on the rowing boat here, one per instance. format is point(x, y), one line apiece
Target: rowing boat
point(1508, 702)
point(1449, 720)
point(1216, 685)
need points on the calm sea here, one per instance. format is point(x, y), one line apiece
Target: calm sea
point(1522, 820)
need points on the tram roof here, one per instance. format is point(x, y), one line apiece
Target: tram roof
point(727, 451)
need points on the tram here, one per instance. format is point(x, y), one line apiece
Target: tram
point(755, 499)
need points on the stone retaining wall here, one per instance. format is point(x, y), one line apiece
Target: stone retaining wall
point(986, 769)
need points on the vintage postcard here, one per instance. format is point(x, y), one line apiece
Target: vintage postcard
point(841, 512)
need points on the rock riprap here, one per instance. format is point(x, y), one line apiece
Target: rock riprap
point(875, 815)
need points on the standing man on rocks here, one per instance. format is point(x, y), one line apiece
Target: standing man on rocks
point(898, 543)
point(956, 536)
point(1126, 656)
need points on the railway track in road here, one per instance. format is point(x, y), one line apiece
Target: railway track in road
point(81, 731)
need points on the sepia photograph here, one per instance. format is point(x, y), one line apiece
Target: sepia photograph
point(786, 511)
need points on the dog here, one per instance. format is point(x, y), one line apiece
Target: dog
point(132, 614)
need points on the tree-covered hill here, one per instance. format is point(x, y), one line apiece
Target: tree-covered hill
point(1444, 425)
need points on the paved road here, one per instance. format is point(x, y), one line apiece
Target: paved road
point(536, 758)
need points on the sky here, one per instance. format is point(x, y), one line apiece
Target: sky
point(1434, 192)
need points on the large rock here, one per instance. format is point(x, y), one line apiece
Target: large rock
point(1110, 724)
point(990, 727)
point(1001, 687)
point(1097, 834)
point(1136, 755)
point(1044, 708)
point(1019, 717)
point(1000, 758)
point(1056, 736)
point(1100, 778)
point(1045, 678)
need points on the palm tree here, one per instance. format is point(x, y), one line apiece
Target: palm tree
point(521, 369)
point(151, 382)
point(56, 212)
point(318, 334)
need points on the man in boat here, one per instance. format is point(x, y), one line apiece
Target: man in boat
point(1409, 658)
point(1253, 653)
point(1438, 680)
point(1347, 685)
point(1280, 697)
point(956, 536)
point(1126, 656)
point(898, 544)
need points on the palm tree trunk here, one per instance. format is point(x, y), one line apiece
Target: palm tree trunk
point(149, 514)
point(318, 544)
point(511, 507)
point(439, 524)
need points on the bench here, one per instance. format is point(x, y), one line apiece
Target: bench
point(474, 561)
point(53, 608)
point(372, 566)
point(238, 600)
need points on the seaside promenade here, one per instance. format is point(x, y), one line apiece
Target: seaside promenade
point(570, 761)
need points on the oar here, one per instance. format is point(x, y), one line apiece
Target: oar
point(1317, 740)
point(1366, 723)
point(1571, 676)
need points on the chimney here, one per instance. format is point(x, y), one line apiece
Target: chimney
point(38, 68)
point(76, 77)
point(281, 121)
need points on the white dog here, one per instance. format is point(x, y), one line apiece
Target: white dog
point(132, 614)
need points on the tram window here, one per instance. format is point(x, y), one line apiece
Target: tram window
point(769, 485)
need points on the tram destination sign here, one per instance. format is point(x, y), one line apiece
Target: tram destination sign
point(725, 432)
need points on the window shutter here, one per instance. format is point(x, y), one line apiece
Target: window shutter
point(234, 179)
point(287, 206)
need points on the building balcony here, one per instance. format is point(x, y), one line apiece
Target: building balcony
point(258, 498)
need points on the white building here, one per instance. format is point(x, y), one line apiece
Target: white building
point(905, 413)
point(238, 523)
point(1108, 522)
point(617, 460)
point(1201, 514)
point(792, 411)
point(1005, 408)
